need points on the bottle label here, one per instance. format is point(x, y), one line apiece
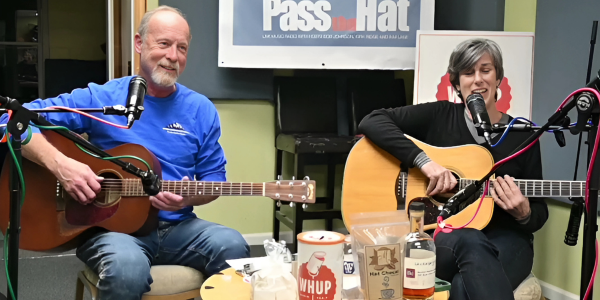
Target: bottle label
point(419, 269)
point(384, 271)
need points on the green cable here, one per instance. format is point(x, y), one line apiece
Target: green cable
point(89, 153)
point(22, 179)
point(113, 157)
point(19, 170)
point(29, 136)
point(12, 293)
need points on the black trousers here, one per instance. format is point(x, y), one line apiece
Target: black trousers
point(487, 264)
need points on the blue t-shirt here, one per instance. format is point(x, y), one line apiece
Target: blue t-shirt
point(181, 130)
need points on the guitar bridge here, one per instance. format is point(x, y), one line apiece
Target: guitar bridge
point(60, 200)
point(401, 191)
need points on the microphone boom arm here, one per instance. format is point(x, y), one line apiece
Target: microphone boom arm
point(452, 205)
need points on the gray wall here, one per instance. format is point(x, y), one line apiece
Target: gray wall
point(202, 73)
point(562, 43)
point(486, 15)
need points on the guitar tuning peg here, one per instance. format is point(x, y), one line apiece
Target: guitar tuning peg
point(278, 177)
point(293, 177)
point(291, 204)
point(304, 206)
point(278, 203)
point(306, 178)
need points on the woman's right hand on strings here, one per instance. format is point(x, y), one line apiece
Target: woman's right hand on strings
point(78, 179)
point(441, 179)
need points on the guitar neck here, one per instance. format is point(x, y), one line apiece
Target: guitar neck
point(543, 188)
point(134, 188)
point(529, 188)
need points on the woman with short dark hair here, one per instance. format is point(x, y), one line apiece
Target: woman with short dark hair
point(492, 262)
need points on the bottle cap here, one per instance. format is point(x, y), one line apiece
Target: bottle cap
point(417, 206)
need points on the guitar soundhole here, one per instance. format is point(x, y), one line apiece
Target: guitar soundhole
point(111, 189)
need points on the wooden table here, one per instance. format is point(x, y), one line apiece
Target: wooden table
point(231, 286)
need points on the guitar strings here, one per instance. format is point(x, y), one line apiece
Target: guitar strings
point(132, 186)
point(528, 186)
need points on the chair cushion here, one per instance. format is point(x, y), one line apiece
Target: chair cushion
point(167, 280)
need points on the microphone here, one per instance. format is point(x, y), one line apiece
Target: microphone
point(476, 106)
point(135, 99)
point(574, 221)
point(453, 204)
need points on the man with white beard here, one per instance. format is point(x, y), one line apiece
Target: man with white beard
point(181, 128)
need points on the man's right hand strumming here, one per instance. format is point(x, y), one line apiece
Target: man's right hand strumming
point(77, 179)
point(441, 179)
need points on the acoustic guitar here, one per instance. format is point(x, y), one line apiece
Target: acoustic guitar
point(373, 182)
point(52, 221)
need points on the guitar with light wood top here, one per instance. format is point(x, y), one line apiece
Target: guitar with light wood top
point(373, 182)
point(52, 220)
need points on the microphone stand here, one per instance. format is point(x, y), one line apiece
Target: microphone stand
point(560, 117)
point(591, 227)
point(452, 205)
point(17, 125)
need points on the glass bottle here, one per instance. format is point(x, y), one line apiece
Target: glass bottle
point(419, 260)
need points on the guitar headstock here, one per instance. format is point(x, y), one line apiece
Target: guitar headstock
point(300, 191)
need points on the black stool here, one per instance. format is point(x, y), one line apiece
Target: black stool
point(311, 122)
point(307, 129)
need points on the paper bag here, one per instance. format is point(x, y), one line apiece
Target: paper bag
point(274, 281)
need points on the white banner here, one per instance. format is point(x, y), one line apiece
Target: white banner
point(321, 34)
point(432, 82)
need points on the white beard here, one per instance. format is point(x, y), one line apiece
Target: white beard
point(163, 78)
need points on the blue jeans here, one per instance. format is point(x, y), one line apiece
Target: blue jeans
point(123, 262)
point(487, 264)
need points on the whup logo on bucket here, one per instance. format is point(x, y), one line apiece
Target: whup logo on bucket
point(370, 23)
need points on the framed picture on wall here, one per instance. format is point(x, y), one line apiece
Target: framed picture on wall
point(432, 81)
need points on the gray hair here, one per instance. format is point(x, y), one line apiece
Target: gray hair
point(466, 54)
point(144, 24)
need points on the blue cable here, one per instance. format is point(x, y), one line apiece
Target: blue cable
point(510, 125)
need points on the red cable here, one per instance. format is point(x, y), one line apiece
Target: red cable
point(5, 138)
point(487, 184)
point(495, 167)
point(587, 181)
point(90, 116)
point(587, 292)
point(498, 164)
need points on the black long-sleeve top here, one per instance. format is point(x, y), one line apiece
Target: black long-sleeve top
point(443, 124)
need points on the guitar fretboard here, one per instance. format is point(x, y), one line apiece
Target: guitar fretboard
point(529, 188)
point(133, 188)
point(543, 188)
